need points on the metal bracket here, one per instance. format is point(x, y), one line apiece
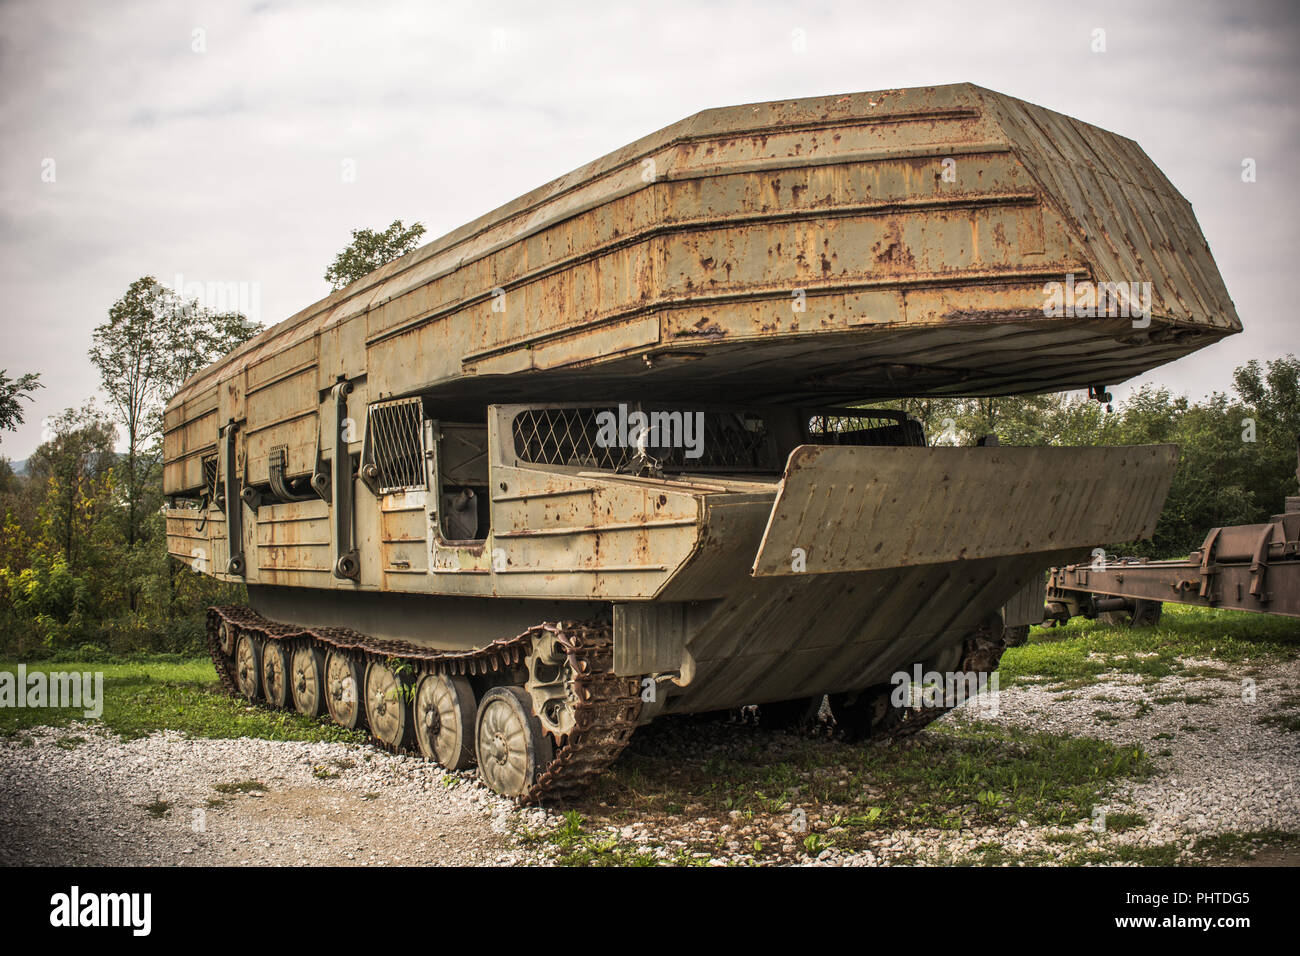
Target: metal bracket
point(320, 476)
point(234, 511)
point(1259, 565)
point(1208, 567)
point(347, 563)
point(275, 475)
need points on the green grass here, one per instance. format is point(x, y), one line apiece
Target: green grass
point(951, 777)
point(571, 845)
point(144, 696)
point(241, 786)
point(1218, 849)
point(1288, 721)
point(956, 775)
point(1077, 849)
point(1079, 653)
point(1119, 822)
point(158, 809)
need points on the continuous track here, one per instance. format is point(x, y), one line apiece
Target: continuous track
point(605, 706)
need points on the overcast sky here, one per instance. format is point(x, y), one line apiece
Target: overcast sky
point(219, 155)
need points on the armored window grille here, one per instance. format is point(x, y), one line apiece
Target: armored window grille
point(680, 439)
point(395, 444)
point(566, 436)
point(875, 427)
point(733, 441)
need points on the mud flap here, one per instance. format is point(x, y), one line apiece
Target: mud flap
point(871, 508)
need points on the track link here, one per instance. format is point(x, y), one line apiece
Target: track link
point(605, 706)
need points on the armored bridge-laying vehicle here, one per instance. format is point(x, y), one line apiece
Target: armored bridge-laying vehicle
point(594, 457)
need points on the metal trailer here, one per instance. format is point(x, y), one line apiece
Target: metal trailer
point(1254, 567)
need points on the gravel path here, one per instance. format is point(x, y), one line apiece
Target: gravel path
point(96, 799)
point(77, 795)
point(1219, 769)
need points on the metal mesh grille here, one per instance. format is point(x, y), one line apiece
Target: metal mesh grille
point(865, 428)
point(733, 441)
point(564, 436)
point(726, 441)
point(395, 444)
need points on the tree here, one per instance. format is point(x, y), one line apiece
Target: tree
point(369, 250)
point(73, 467)
point(152, 342)
point(11, 390)
point(1270, 426)
point(1054, 418)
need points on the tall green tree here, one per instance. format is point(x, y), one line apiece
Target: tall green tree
point(73, 468)
point(61, 568)
point(369, 250)
point(152, 342)
point(11, 391)
point(1271, 394)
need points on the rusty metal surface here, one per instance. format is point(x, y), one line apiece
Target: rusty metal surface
point(1238, 587)
point(865, 509)
point(671, 266)
point(782, 257)
point(795, 636)
point(1243, 567)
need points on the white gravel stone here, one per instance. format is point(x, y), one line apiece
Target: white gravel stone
point(87, 804)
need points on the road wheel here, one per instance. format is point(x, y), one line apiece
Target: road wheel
point(343, 690)
point(1147, 613)
point(275, 674)
point(226, 638)
point(387, 712)
point(863, 714)
point(1015, 635)
point(444, 720)
point(305, 669)
point(795, 714)
point(1144, 614)
point(247, 669)
point(511, 746)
